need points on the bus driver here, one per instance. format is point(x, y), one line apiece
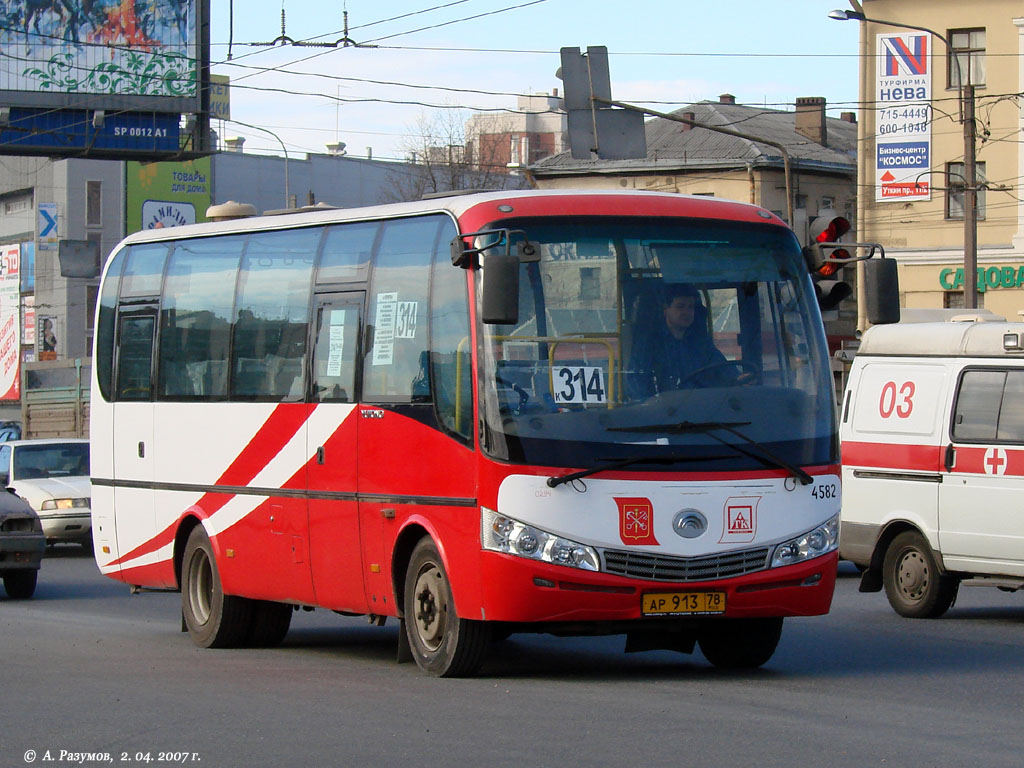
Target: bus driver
point(679, 353)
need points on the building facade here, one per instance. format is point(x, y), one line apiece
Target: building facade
point(514, 140)
point(914, 148)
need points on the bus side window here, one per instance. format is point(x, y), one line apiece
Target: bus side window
point(272, 315)
point(450, 353)
point(394, 369)
point(195, 317)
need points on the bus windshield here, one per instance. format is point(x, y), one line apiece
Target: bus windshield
point(687, 342)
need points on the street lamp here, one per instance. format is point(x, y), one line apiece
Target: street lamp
point(966, 99)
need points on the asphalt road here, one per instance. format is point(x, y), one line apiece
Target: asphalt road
point(90, 671)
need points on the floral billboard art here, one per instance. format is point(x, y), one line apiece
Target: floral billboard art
point(113, 47)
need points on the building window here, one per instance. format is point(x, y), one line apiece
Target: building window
point(93, 204)
point(969, 48)
point(590, 283)
point(17, 203)
point(955, 300)
point(91, 294)
point(955, 181)
point(827, 204)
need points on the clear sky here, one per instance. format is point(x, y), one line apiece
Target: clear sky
point(664, 54)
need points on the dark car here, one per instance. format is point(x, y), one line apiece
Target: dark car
point(22, 544)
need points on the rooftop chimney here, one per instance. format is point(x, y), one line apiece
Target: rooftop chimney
point(336, 148)
point(848, 117)
point(726, 98)
point(688, 116)
point(234, 144)
point(810, 119)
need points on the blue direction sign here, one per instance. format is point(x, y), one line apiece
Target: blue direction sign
point(47, 231)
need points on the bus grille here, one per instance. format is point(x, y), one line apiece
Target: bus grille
point(643, 565)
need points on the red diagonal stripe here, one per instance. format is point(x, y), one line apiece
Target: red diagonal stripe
point(275, 433)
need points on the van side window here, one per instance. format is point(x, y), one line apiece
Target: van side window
point(990, 407)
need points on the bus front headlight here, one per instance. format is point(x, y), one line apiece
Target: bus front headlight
point(820, 541)
point(499, 533)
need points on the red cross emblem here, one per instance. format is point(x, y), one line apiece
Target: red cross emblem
point(995, 461)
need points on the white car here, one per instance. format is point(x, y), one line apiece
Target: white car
point(53, 477)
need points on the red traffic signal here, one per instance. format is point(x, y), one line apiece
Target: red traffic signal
point(825, 229)
point(822, 258)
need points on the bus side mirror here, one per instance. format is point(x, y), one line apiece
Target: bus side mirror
point(500, 290)
point(882, 291)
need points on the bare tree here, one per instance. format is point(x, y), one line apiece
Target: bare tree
point(439, 160)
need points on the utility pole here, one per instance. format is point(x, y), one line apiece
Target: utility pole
point(970, 200)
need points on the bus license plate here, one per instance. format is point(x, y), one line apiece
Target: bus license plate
point(682, 603)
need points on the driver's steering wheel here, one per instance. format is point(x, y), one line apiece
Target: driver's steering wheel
point(749, 367)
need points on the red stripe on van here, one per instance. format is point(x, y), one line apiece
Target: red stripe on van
point(918, 458)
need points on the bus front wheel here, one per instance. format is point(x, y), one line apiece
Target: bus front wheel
point(740, 643)
point(214, 620)
point(442, 644)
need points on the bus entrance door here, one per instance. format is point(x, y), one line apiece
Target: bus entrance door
point(331, 435)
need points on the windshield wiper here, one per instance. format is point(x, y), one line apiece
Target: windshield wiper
point(610, 464)
point(761, 453)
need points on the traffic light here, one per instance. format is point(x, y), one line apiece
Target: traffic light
point(825, 259)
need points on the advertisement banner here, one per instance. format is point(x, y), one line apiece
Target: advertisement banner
point(29, 324)
point(10, 322)
point(903, 118)
point(161, 195)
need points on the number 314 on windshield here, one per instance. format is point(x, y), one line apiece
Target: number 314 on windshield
point(579, 384)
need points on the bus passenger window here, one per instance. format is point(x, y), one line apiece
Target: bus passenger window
point(272, 315)
point(195, 317)
point(396, 363)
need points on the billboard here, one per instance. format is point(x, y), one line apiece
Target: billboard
point(159, 195)
point(138, 55)
point(903, 118)
point(10, 322)
point(104, 78)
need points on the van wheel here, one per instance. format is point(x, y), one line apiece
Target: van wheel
point(213, 619)
point(915, 586)
point(442, 644)
point(739, 643)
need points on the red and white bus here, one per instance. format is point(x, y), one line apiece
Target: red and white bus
point(434, 411)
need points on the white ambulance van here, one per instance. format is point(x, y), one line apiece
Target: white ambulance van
point(932, 430)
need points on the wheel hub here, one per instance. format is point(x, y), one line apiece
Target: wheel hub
point(430, 608)
point(913, 575)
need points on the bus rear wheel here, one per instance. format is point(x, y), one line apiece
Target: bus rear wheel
point(213, 619)
point(442, 644)
point(740, 643)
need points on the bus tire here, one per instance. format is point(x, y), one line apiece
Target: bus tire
point(270, 623)
point(914, 584)
point(213, 619)
point(21, 584)
point(442, 644)
point(739, 643)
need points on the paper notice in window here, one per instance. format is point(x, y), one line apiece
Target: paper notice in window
point(336, 341)
point(384, 330)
